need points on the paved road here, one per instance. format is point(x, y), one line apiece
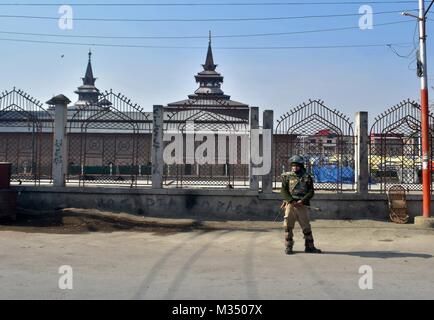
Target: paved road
point(234, 261)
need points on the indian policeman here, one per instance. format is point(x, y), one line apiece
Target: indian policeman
point(297, 191)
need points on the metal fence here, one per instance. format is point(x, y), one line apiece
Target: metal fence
point(395, 148)
point(324, 137)
point(207, 117)
point(26, 137)
point(109, 143)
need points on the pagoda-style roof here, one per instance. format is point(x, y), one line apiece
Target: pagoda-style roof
point(212, 102)
point(87, 93)
point(209, 94)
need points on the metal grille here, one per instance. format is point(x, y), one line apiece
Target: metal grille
point(395, 148)
point(26, 138)
point(209, 116)
point(324, 137)
point(109, 143)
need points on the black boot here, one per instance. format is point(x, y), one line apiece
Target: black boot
point(288, 250)
point(310, 247)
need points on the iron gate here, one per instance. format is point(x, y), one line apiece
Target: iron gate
point(324, 137)
point(26, 137)
point(109, 143)
point(213, 117)
point(395, 148)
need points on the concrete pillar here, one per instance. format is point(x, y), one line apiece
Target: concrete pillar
point(60, 142)
point(254, 125)
point(268, 123)
point(157, 148)
point(361, 153)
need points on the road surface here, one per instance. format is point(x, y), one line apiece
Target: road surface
point(186, 259)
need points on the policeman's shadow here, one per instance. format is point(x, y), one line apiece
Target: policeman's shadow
point(381, 254)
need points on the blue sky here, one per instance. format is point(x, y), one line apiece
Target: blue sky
point(350, 79)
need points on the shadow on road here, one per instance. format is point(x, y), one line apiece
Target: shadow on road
point(381, 254)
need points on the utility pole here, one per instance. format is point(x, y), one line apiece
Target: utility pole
point(426, 165)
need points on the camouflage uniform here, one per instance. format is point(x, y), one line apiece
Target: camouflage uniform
point(295, 187)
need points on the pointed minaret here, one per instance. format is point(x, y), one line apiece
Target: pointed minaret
point(88, 79)
point(209, 80)
point(87, 93)
point(209, 62)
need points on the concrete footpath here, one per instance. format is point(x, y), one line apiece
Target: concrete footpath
point(188, 259)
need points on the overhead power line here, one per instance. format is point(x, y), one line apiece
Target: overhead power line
point(410, 54)
point(251, 35)
point(204, 19)
point(201, 47)
point(221, 4)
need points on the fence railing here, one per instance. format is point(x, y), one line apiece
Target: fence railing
point(324, 138)
point(395, 148)
point(109, 143)
point(201, 122)
point(26, 137)
point(112, 143)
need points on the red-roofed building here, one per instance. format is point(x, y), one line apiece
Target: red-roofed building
point(324, 141)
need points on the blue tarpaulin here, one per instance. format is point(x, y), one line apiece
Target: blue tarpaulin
point(333, 174)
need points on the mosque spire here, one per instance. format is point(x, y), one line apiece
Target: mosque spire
point(89, 79)
point(209, 62)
